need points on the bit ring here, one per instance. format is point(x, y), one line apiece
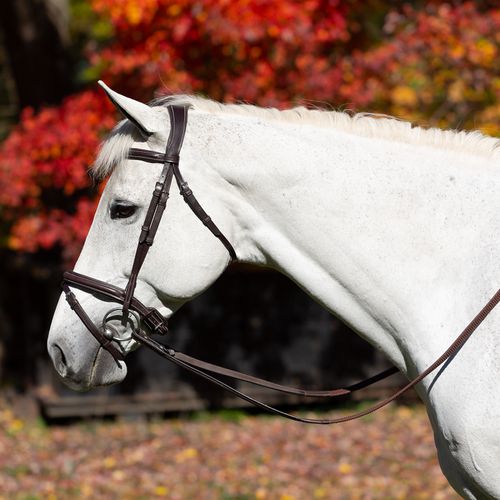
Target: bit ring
point(111, 333)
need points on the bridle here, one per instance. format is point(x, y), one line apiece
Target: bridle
point(135, 316)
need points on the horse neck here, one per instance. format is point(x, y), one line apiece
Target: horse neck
point(397, 239)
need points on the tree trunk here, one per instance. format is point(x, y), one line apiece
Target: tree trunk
point(35, 35)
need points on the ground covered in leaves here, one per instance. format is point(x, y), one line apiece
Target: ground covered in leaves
point(224, 456)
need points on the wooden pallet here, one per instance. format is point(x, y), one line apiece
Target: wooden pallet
point(184, 401)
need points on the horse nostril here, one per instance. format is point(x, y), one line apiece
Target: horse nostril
point(59, 360)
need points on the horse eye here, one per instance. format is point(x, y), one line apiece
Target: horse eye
point(122, 209)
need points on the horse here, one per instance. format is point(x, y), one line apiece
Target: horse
point(391, 227)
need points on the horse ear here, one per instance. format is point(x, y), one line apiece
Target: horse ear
point(138, 113)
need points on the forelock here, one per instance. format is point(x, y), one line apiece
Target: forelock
point(115, 148)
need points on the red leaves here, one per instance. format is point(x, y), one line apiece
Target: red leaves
point(48, 228)
point(242, 50)
point(43, 167)
point(435, 65)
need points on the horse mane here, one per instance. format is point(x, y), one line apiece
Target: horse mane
point(114, 149)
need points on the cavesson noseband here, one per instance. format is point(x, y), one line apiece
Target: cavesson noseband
point(135, 316)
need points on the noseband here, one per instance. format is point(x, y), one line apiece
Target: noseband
point(135, 317)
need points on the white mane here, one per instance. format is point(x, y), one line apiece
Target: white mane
point(114, 149)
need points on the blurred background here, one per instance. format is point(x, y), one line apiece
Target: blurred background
point(431, 62)
point(434, 63)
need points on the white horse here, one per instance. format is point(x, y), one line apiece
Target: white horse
point(394, 229)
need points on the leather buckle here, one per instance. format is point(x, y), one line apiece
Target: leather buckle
point(155, 322)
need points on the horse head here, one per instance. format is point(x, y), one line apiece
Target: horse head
point(183, 262)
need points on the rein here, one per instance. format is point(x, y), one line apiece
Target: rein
point(134, 314)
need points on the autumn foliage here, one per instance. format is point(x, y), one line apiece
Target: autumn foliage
point(45, 191)
point(224, 456)
point(438, 64)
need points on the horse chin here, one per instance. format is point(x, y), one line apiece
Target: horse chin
point(106, 370)
point(103, 371)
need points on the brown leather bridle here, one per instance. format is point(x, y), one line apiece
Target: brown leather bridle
point(135, 315)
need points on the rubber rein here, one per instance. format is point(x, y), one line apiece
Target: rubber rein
point(135, 315)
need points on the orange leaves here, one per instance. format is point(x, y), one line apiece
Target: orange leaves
point(489, 119)
point(222, 48)
point(127, 12)
point(344, 468)
point(484, 52)
point(272, 54)
point(186, 454)
point(438, 65)
point(404, 96)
